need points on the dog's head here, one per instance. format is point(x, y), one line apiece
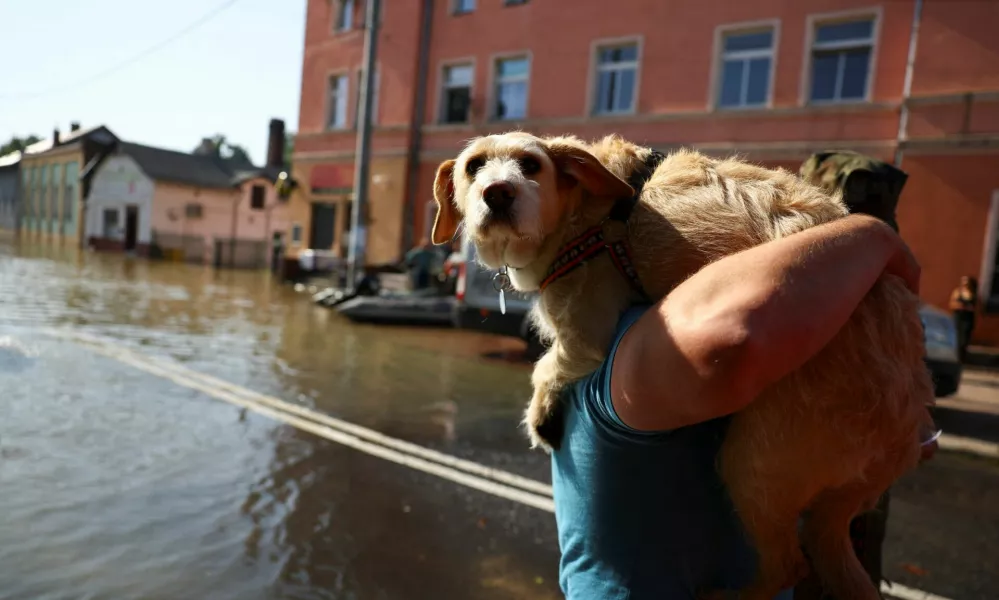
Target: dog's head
point(514, 191)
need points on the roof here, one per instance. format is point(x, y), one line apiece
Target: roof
point(11, 159)
point(202, 170)
point(99, 132)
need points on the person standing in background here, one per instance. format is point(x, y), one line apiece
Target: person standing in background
point(421, 261)
point(963, 303)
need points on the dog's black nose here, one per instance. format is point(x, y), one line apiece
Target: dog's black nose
point(499, 196)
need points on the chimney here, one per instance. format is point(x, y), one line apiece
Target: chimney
point(275, 144)
point(55, 136)
point(74, 126)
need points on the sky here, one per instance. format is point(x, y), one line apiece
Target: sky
point(229, 75)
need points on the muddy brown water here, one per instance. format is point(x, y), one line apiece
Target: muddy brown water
point(118, 484)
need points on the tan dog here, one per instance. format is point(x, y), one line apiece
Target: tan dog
point(849, 420)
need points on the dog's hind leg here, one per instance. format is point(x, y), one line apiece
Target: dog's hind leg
point(780, 561)
point(826, 537)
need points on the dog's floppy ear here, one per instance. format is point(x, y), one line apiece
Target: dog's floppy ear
point(578, 164)
point(447, 220)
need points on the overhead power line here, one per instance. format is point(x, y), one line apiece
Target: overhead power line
point(129, 61)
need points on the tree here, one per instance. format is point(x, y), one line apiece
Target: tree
point(289, 147)
point(17, 144)
point(220, 146)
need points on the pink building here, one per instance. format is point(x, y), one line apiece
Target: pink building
point(197, 207)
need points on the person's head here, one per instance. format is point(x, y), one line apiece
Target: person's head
point(969, 283)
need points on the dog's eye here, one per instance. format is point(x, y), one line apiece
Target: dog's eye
point(529, 165)
point(472, 167)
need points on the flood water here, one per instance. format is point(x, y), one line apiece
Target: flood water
point(118, 484)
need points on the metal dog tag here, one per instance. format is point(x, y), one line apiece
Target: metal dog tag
point(500, 281)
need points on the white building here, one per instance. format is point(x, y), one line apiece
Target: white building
point(119, 207)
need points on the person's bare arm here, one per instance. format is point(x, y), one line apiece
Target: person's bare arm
point(746, 321)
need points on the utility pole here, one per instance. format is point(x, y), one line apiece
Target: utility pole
point(362, 157)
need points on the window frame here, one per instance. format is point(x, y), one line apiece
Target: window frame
point(329, 101)
point(595, 68)
point(813, 22)
point(339, 13)
point(494, 79)
point(718, 62)
point(71, 176)
point(105, 233)
point(443, 86)
point(42, 197)
point(457, 10)
point(56, 175)
point(255, 190)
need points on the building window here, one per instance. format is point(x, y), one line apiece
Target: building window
point(617, 74)
point(193, 211)
point(344, 19)
point(337, 102)
point(514, 2)
point(746, 61)
point(463, 6)
point(55, 186)
point(456, 97)
point(69, 191)
point(296, 234)
point(511, 88)
point(41, 195)
point(841, 61)
point(257, 196)
point(110, 228)
point(26, 183)
point(374, 98)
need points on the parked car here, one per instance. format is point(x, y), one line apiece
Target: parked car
point(941, 349)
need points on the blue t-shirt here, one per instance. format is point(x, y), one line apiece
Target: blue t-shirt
point(641, 515)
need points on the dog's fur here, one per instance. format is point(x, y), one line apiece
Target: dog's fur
point(823, 443)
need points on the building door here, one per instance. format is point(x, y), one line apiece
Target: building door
point(131, 226)
point(323, 226)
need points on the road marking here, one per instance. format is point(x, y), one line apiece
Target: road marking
point(366, 440)
point(114, 351)
point(352, 441)
point(896, 590)
point(955, 443)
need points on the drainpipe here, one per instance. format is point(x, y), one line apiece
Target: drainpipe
point(416, 127)
point(910, 66)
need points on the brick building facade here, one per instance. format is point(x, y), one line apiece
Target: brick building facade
point(772, 80)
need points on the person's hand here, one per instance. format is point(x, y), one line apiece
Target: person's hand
point(903, 263)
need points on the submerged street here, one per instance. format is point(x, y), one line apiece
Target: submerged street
point(173, 431)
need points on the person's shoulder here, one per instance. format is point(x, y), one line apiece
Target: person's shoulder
point(593, 392)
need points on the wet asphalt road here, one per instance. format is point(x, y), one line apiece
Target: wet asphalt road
point(118, 483)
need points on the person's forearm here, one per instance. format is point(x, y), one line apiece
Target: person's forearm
point(789, 297)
